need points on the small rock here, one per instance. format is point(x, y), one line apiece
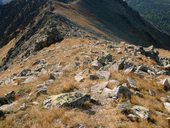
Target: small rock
point(96, 65)
point(121, 91)
point(79, 78)
point(151, 92)
point(124, 107)
point(10, 96)
point(167, 106)
point(103, 74)
point(166, 84)
point(141, 111)
point(49, 82)
point(104, 60)
point(23, 107)
point(132, 83)
point(25, 72)
point(107, 92)
point(139, 94)
point(142, 69)
point(51, 77)
point(119, 65)
point(8, 107)
point(93, 77)
point(114, 82)
point(133, 117)
point(129, 69)
point(35, 103)
point(29, 79)
point(41, 89)
point(98, 88)
point(2, 115)
point(40, 62)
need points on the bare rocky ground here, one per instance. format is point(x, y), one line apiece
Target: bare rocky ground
point(87, 83)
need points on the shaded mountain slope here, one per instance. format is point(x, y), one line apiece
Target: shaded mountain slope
point(38, 24)
point(156, 11)
point(124, 22)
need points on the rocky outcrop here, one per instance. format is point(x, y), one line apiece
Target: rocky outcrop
point(8, 98)
point(72, 99)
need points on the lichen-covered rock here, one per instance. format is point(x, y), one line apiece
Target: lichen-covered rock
point(134, 112)
point(124, 107)
point(71, 99)
point(141, 111)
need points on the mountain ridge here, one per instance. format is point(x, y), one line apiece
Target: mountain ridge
point(116, 22)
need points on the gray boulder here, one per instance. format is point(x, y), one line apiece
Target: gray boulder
point(122, 91)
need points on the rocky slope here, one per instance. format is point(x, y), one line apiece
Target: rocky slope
point(95, 83)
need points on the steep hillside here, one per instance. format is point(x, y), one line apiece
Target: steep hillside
point(124, 22)
point(156, 11)
point(38, 24)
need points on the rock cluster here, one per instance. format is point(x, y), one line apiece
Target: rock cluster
point(103, 89)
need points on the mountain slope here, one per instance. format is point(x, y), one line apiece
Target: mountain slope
point(38, 24)
point(156, 11)
point(124, 22)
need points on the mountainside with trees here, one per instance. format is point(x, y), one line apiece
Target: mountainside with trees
point(156, 11)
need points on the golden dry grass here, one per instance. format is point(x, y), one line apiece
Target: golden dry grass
point(67, 52)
